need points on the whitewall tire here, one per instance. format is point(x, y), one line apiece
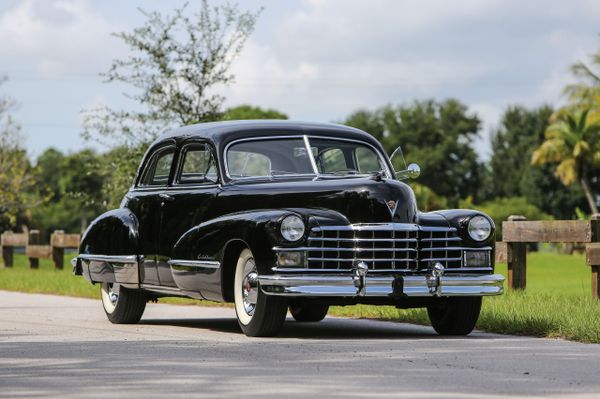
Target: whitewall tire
point(122, 305)
point(258, 314)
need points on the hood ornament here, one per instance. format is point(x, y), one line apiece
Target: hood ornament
point(392, 206)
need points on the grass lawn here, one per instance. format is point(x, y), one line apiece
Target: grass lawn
point(557, 302)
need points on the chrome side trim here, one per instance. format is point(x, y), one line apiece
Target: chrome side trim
point(380, 286)
point(110, 258)
point(203, 264)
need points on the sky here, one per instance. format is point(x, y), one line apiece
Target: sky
point(316, 60)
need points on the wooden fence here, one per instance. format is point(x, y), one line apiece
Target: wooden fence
point(34, 250)
point(517, 232)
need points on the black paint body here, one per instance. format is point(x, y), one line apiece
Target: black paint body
point(213, 222)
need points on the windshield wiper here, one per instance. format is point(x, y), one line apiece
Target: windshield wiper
point(282, 172)
point(343, 172)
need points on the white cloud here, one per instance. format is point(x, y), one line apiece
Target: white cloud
point(56, 37)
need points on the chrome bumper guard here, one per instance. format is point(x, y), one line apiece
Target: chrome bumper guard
point(429, 285)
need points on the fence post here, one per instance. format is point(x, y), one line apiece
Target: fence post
point(594, 265)
point(7, 251)
point(34, 239)
point(58, 253)
point(516, 254)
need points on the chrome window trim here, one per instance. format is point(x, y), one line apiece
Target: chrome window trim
point(156, 152)
point(381, 158)
point(226, 150)
point(180, 163)
point(180, 187)
point(306, 138)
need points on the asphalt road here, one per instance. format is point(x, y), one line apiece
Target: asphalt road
point(53, 346)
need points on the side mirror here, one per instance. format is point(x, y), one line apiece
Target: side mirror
point(411, 172)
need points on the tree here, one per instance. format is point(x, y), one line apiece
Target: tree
point(520, 132)
point(573, 143)
point(587, 89)
point(499, 209)
point(436, 135)
point(176, 66)
point(249, 112)
point(75, 185)
point(18, 191)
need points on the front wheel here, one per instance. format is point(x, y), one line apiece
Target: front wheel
point(122, 305)
point(258, 314)
point(455, 316)
point(308, 312)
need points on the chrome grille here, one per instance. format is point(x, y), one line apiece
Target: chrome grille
point(439, 244)
point(385, 247)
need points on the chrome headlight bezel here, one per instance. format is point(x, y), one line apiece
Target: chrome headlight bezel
point(479, 228)
point(292, 228)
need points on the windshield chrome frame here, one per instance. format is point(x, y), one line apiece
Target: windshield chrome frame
point(316, 174)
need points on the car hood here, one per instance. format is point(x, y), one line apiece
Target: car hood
point(360, 200)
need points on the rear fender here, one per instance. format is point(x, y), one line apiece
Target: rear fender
point(109, 249)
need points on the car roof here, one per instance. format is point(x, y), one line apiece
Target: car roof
point(221, 133)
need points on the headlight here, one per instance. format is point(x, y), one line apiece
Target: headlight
point(479, 228)
point(292, 228)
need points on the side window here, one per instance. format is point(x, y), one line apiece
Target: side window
point(158, 169)
point(245, 163)
point(199, 166)
point(331, 160)
point(368, 161)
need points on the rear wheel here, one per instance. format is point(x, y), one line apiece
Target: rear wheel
point(258, 314)
point(122, 305)
point(455, 316)
point(308, 312)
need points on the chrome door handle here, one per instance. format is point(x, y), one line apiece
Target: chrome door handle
point(165, 197)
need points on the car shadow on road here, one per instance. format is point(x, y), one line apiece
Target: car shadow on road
point(330, 328)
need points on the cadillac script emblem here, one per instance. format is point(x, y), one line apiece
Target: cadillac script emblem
point(392, 205)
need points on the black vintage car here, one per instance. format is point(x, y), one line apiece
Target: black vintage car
point(278, 215)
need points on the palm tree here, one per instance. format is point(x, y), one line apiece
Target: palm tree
point(573, 142)
point(587, 89)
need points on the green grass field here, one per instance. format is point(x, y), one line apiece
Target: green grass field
point(557, 302)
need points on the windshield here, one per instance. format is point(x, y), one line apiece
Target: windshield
point(288, 157)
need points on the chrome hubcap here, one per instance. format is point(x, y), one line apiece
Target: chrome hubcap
point(113, 293)
point(250, 287)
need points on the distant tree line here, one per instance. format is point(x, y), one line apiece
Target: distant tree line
point(544, 162)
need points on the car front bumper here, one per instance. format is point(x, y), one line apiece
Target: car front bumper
point(344, 285)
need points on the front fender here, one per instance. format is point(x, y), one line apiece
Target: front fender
point(459, 218)
point(258, 230)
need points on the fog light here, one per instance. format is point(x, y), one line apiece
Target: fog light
point(477, 259)
point(290, 258)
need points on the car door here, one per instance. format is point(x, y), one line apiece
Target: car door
point(145, 202)
point(190, 199)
